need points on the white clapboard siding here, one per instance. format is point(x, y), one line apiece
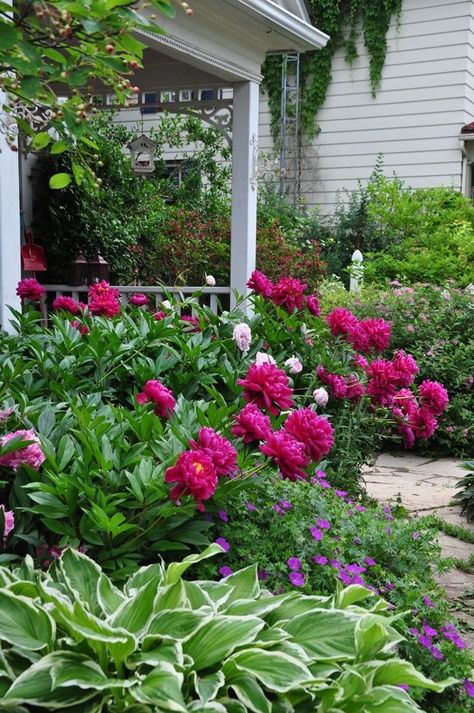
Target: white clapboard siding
point(426, 95)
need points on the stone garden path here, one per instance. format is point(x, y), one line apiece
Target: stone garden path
point(426, 487)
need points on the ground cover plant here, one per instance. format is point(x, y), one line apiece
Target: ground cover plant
point(127, 431)
point(436, 326)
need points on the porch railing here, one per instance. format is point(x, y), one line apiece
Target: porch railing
point(208, 295)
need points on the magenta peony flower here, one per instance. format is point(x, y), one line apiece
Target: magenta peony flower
point(313, 306)
point(423, 423)
point(195, 474)
point(251, 424)
point(289, 454)
point(382, 384)
point(337, 384)
point(315, 432)
point(267, 387)
point(433, 396)
point(82, 328)
point(160, 395)
point(370, 334)
point(159, 316)
point(68, 304)
point(191, 321)
point(139, 299)
point(260, 284)
point(242, 336)
point(30, 289)
point(355, 388)
point(341, 321)
point(104, 301)
point(405, 368)
point(31, 455)
point(8, 521)
point(288, 293)
point(219, 449)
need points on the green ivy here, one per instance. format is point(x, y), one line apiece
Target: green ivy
point(343, 21)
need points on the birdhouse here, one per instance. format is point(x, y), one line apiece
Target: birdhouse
point(143, 155)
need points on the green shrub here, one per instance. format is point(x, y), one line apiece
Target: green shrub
point(466, 497)
point(72, 640)
point(283, 526)
point(421, 235)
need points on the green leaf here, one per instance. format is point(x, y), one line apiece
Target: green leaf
point(370, 638)
point(177, 569)
point(29, 87)
point(59, 180)
point(108, 596)
point(244, 584)
point(249, 691)
point(72, 669)
point(9, 35)
point(396, 672)
point(276, 670)
point(81, 575)
point(325, 634)
point(58, 147)
point(220, 637)
point(352, 594)
point(40, 141)
point(65, 451)
point(208, 686)
point(46, 420)
point(162, 687)
point(134, 614)
point(78, 173)
point(178, 624)
point(24, 623)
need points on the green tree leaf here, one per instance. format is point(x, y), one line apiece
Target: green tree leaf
point(60, 180)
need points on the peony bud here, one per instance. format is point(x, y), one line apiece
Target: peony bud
point(210, 281)
point(166, 304)
point(321, 396)
point(294, 365)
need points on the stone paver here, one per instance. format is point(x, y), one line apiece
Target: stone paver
point(452, 515)
point(452, 547)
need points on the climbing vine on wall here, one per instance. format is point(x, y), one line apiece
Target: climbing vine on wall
point(343, 21)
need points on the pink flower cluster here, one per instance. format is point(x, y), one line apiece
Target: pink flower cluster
point(30, 454)
point(364, 335)
point(268, 387)
point(288, 293)
point(104, 301)
point(196, 471)
point(341, 387)
point(30, 289)
point(418, 418)
point(160, 396)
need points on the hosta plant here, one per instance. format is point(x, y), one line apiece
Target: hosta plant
point(71, 640)
point(466, 496)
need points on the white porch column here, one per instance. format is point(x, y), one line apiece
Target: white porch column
point(10, 233)
point(244, 185)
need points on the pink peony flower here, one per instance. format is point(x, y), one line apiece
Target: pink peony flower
point(191, 321)
point(370, 334)
point(31, 454)
point(288, 293)
point(68, 304)
point(242, 336)
point(260, 284)
point(8, 521)
point(382, 384)
point(423, 423)
point(82, 328)
point(341, 321)
point(321, 396)
point(139, 299)
point(313, 306)
point(337, 384)
point(288, 453)
point(6, 413)
point(433, 396)
point(219, 449)
point(251, 424)
point(263, 358)
point(294, 365)
point(160, 395)
point(267, 387)
point(315, 432)
point(159, 316)
point(355, 388)
point(30, 289)
point(405, 368)
point(195, 475)
point(104, 301)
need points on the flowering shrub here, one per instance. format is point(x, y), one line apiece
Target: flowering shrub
point(310, 537)
point(435, 326)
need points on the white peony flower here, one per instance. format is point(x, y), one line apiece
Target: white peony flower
point(242, 336)
point(294, 365)
point(210, 281)
point(263, 358)
point(166, 304)
point(321, 396)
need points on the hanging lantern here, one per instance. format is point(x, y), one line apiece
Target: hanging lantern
point(143, 155)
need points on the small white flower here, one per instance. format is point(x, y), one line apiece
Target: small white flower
point(210, 281)
point(242, 336)
point(166, 304)
point(321, 396)
point(294, 365)
point(263, 358)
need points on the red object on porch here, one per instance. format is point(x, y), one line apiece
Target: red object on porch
point(32, 256)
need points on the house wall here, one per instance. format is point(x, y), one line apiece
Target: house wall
point(426, 95)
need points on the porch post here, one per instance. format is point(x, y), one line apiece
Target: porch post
point(244, 185)
point(10, 232)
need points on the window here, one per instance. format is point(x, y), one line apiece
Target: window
point(178, 173)
point(186, 95)
point(149, 103)
point(168, 96)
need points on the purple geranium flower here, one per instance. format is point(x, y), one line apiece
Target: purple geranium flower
point(437, 653)
point(428, 602)
point(425, 641)
point(320, 559)
point(223, 543)
point(469, 687)
point(370, 562)
point(249, 505)
point(223, 515)
point(297, 579)
point(323, 524)
point(429, 631)
point(355, 569)
point(316, 533)
point(225, 571)
point(294, 564)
